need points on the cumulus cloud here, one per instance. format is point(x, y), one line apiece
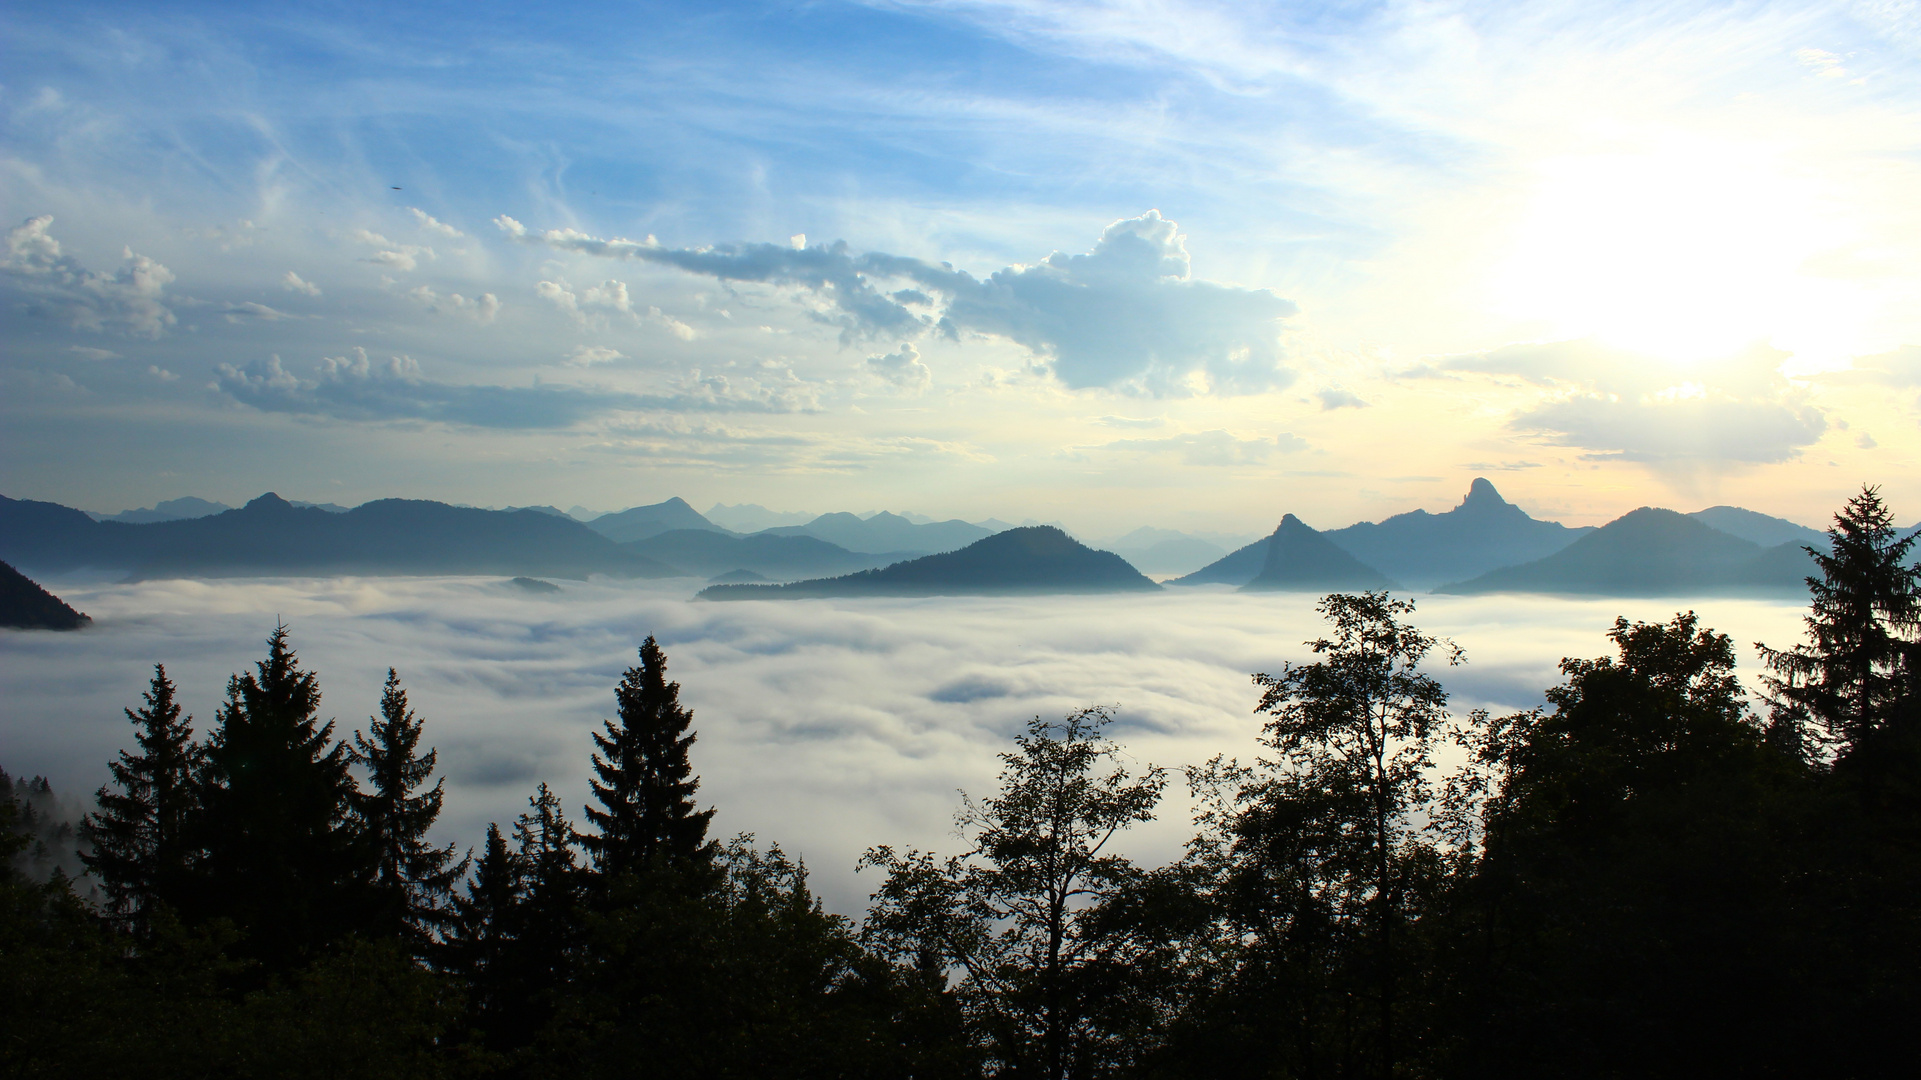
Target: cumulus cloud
point(1616, 403)
point(1127, 314)
point(902, 369)
point(233, 313)
point(355, 387)
point(1335, 397)
point(608, 296)
point(130, 300)
point(90, 353)
point(294, 283)
point(428, 223)
point(481, 309)
point(1214, 447)
point(391, 255)
point(587, 355)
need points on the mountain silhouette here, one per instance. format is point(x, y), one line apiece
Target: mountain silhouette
point(1237, 567)
point(1038, 559)
point(641, 522)
point(1165, 551)
point(769, 555)
point(272, 536)
point(24, 605)
point(1300, 559)
point(1653, 552)
point(168, 510)
point(1759, 528)
point(1484, 532)
point(886, 532)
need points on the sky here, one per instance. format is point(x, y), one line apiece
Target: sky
point(1176, 263)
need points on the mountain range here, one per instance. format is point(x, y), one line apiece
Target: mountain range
point(1653, 552)
point(1034, 559)
point(1299, 559)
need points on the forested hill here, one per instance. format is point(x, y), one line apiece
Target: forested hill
point(1302, 560)
point(1654, 552)
point(271, 536)
point(25, 605)
point(1037, 559)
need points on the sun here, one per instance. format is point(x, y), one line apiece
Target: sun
point(1687, 250)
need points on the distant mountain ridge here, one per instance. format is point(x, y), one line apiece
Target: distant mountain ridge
point(270, 536)
point(1484, 532)
point(641, 522)
point(765, 555)
point(1299, 559)
point(1653, 552)
point(1035, 560)
point(885, 532)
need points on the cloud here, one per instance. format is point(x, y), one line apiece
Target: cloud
point(393, 256)
point(608, 296)
point(294, 283)
point(1214, 447)
point(1616, 403)
point(1900, 367)
point(901, 369)
point(130, 300)
point(429, 224)
point(481, 309)
point(587, 355)
point(250, 310)
point(1127, 314)
point(1130, 422)
point(358, 388)
point(89, 353)
point(1335, 397)
point(161, 373)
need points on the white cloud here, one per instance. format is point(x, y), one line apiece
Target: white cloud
point(130, 300)
point(294, 283)
point(89, 353)
point(1335, 397)
point(394, 256)
point(1213, 447)
point(1127, 314)
point(588, 355)
point(902, 369)
point(250, 310)
point(481, 309)
point(161, 373)
point(428, 223)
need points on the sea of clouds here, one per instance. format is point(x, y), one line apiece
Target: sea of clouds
point(827, 726)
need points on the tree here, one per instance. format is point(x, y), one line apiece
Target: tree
point(273, 820)
point(483, 937)
point(1849, 673)
point(1326, 848)
point(413, 878)
point(1023, 914)
point(645, 783)
point(140, 848)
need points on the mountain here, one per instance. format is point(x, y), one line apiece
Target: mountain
point(1299, 559)
point(641, 522)
point(271, 536)
point(1165, 551)
point(1041, 559)
point(1484, 532)
point(169, 510)
point(886, 532)
point(1759, 528)
point(1237, 567)
point(781, 558)
point(753, 517)
point(24, 605)
point(1652, 552)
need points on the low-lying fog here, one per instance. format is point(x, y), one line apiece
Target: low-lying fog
point(825, 725)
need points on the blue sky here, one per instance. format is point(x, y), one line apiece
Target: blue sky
point(1173, 263)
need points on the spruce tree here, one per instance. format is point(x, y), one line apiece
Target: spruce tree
point(1848, 675)
point(140, 848)
point(645, 783)
point(484, 933)
point(281, 858)
point(413, 879)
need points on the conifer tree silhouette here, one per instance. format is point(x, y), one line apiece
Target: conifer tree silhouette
point(644, 781)
point(140, 849)
point(273, 819)
point(413, 878)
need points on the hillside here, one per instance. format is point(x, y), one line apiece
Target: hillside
point(1299, 559)
point(781, 558)
point(1484, 532)
point(1040, 559)
point(1758, 528)
point(24, 605)
point(1652, 552)
point(641, 522)
point(271, 536)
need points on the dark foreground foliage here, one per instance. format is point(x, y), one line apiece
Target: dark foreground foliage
point(1643, 879)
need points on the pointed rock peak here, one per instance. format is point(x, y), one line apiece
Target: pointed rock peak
point(678, 503)
point(1482, 492)
point(1290, 523)
point(270, 501)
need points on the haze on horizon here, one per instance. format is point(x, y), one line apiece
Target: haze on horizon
point(1183, 264)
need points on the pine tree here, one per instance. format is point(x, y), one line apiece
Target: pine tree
point(1866, 608)
point(645, 783)
point(281, 858)
point(484, 934)
point(139, 835)
point(412, 877)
